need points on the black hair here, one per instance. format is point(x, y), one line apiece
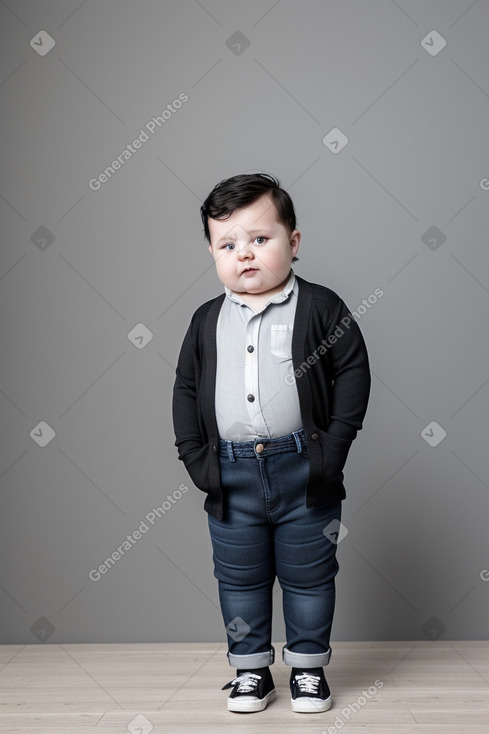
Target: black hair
point(242, 190)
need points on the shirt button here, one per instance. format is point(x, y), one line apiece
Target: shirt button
point(214, 448)
point(251, 348)
point(259, 448)
point(250, 398)
point(314, 436)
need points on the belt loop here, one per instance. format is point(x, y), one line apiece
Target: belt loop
point(298, 441)
point(229, 446)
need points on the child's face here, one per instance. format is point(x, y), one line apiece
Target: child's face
point(253, 251)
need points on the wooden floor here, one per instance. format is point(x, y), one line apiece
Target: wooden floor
point(377, 688)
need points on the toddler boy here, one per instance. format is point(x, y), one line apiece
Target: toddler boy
point(272, 385)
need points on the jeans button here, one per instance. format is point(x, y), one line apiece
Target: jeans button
point(259, 448)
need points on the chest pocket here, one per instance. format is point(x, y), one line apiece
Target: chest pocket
point(281, 341)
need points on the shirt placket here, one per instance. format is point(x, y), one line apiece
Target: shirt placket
point(252, 393)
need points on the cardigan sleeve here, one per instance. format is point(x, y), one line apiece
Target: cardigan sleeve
point(349, 364)
point(184, 407)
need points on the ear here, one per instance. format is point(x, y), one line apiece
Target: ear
point(295, 240)
point(210, 249)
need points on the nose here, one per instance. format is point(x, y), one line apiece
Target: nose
point(244, 250)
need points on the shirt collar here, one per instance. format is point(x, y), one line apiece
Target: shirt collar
point(279, 297)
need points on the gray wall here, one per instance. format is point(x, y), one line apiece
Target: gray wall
point(98, 282)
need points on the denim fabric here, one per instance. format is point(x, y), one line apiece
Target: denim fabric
point(267, 532)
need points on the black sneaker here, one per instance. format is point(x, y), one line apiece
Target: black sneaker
point(310, 691)
point(252, 690)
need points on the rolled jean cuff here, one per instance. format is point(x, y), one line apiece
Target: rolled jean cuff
point(253, 661)
point(304, 659)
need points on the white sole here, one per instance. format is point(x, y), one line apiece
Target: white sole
point(310, 705)
point(249, 704)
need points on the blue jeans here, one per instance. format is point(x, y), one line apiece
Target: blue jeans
point(268, 532)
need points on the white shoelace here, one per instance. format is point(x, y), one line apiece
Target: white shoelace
point(248, 683)
point(308, 683)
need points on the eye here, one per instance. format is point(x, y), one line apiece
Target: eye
point(260, 240)
point(229, 246)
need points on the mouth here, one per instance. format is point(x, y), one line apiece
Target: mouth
point(249, 271)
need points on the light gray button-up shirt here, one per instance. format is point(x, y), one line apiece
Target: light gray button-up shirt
point(254, 357)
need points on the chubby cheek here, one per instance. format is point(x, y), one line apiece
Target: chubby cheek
point(279, 265)
point(224, 269)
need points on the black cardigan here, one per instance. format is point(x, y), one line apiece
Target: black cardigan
point(333, 382)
